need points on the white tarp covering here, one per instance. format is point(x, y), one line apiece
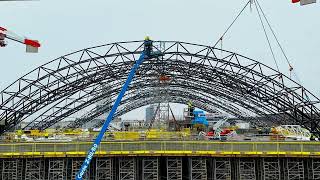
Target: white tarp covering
point(305, 2)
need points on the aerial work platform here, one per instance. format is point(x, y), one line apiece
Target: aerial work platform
point(162, 148)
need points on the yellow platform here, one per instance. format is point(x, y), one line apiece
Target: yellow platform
point(163, 148)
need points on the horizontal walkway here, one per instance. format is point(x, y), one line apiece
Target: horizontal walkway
point(162, 148)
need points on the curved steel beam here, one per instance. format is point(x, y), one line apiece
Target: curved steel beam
point(71, 76)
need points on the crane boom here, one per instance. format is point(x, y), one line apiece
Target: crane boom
point(146, 54)
point(31, 45)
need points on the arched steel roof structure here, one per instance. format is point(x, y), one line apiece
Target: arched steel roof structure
point(213, 78)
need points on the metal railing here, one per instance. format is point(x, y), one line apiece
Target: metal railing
point(176, 146)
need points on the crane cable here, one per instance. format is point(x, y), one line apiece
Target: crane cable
point(221, 37)
point(291, 70)
point(267, 37)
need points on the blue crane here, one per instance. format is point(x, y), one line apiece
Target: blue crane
point(147, 53)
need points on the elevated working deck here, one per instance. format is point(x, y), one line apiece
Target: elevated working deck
point(162, 148)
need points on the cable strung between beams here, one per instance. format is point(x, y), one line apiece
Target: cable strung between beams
point(221, 38)
point(266, 35)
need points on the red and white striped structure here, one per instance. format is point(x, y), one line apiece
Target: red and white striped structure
point(304, 2)
point(31, 45)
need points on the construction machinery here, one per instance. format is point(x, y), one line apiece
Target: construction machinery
point(147, 53)
point(32, 46)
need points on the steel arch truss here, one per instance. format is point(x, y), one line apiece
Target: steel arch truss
point(216, 79)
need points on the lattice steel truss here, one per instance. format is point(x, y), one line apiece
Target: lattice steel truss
point(174, 168)
point(57, 90)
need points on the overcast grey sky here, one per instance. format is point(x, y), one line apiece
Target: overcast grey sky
point(64, 26)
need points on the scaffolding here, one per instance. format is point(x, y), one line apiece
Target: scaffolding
point(247, 169)
point(104, 169)
point(56, 169)
point(198, 168)
point(150, 168)
point(76, 165)
point(127, 168)
point(315, 168)
point(12, 169)
point(174, 168)
point(271, 168)
point(222, 169)
point(34, 169)
point(295, 169)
